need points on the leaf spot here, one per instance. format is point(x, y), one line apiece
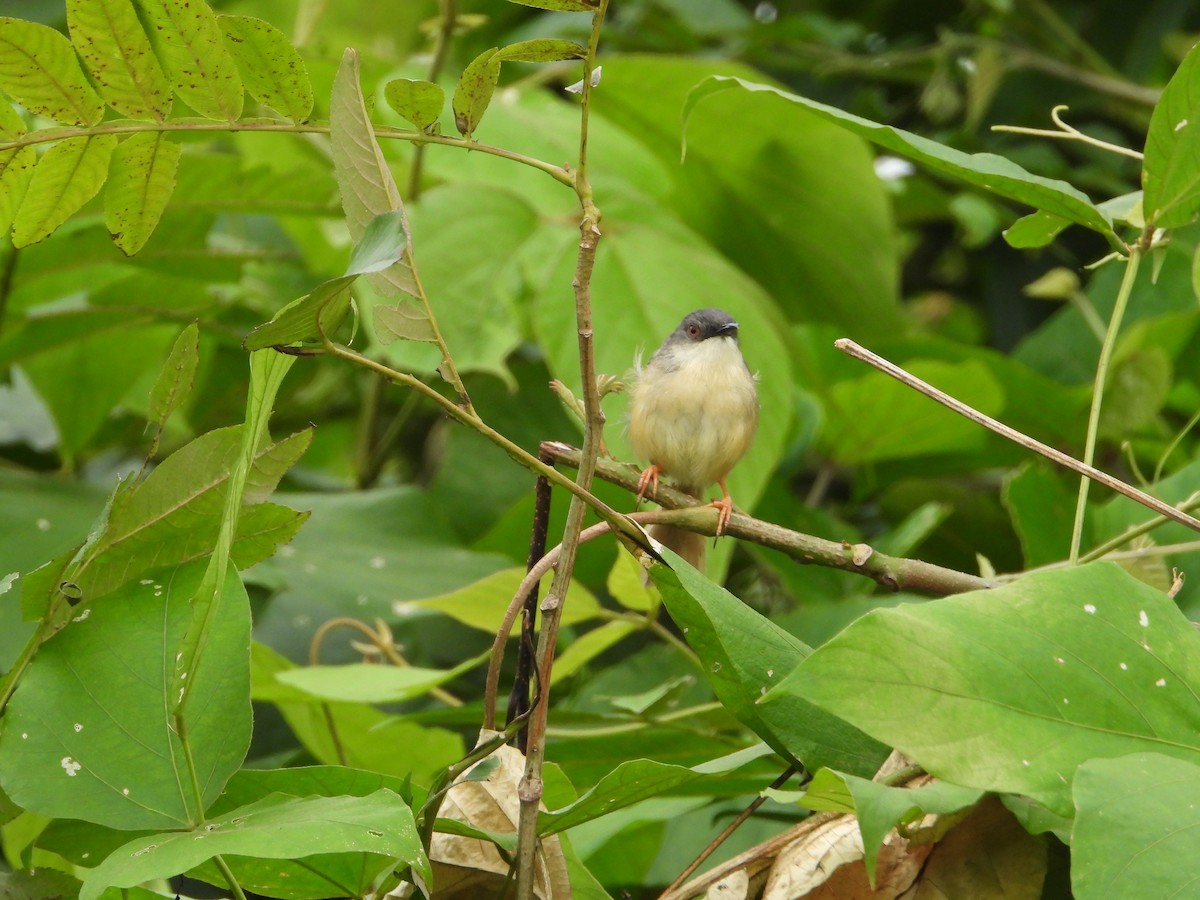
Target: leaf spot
point(1181, 124)
point(125, 791)
point(1024, 762)
point(43, 524)
point(377, 562)
point(1162, 682)
point(1143, 619)
point(1060, 660)
point(716, 667)
point(1089, 608)
point(70, 766)
point(1124, 667)
point(78, 727)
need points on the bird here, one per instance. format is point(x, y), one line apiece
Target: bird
point(693, 413)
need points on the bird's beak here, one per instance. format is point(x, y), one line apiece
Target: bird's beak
point(729, 327)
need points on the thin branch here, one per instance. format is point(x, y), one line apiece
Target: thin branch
point(892, 572)
point(1093, 426)
point(1175, 515)
point(1068, 132)
point(194, 125)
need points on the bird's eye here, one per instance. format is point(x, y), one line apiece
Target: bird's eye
point(693, 331)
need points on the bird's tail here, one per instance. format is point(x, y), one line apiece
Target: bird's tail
point(688, 544)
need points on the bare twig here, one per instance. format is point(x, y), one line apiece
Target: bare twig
point(892, 572)
point(1068, 132)
point(1175, 515)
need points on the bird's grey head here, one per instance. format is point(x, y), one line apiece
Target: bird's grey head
point(704, 324)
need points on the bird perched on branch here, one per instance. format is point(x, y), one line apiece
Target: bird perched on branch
point(693, 412)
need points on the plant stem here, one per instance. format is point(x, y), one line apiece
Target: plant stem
point(195, 125)
point(1093, 429)
point(230, 878)
point(530, 788)
point(1086, 469)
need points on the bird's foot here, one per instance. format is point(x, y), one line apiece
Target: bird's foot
point(648, 482)
point(724, 508)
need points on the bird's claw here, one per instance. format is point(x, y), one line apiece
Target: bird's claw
point(724, 508)
point(649, 477)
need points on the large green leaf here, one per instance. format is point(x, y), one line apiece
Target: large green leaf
point(117, 53)
point(1171, 168)
point(481, 604)
point(39, 68)
point(88, 732)
point(744, 655)
point(367, 682)
point(1013, 689)
point(984, 170)
point(175, 514)
point(790, 199)
point(1135, 823)
point(192, 49)
point(277, 827)
point(16, 169)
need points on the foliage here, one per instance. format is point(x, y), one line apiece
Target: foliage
point(366, 235)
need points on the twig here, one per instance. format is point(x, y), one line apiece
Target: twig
point(1175, 515)
point(1068, 132)
point(892, 572)
point(728, 830)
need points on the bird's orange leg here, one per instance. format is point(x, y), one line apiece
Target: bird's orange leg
point(725, 508)
point(649, 477)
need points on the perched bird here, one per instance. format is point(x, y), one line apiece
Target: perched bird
point(693, 412)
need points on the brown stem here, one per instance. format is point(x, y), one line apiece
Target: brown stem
point(1175, 515)
point(893, 572)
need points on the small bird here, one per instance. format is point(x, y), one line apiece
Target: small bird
point(693, 412)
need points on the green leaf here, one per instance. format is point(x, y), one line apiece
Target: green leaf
point(276, 827)
point(482, 604)
point(274, 73)
point(984, 170)
point(636, 780)
point(1135, 821)
point(561, 5)
point(267, 371)
point(880, 808)
point(744, 655)
point(16, 170)
point(103, 682)
point(117, 53)
point(755, 172)
point(370, 683)
point(192, 49)
point(1037, 229)
point(363, 176)
point(1013, 689)
point(1042, 509)
point(404, 321)
point(541, 50)
point(892, 421)
point(175, 514)
point(323, 310)
point(366, 738)
point(39, 69)
point(67, 176)
point(420, 102)
point(141, 182)
point(474, 91)
point(177, 378)
point(588, 646)
point(1171, 167)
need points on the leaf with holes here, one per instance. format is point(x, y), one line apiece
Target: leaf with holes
point(279, 826)
point(117, 53)
point(274, 73)
point(474, 91)
point(541, 50)
point(192, 49)
point(102, 683)
point(67, 176)
point(1012, 689)
point(141, 180)
point(39, 69)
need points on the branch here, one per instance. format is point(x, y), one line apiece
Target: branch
point(1175, 515)
point(892, 572)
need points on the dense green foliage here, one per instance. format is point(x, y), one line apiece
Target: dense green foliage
point(280, 297)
